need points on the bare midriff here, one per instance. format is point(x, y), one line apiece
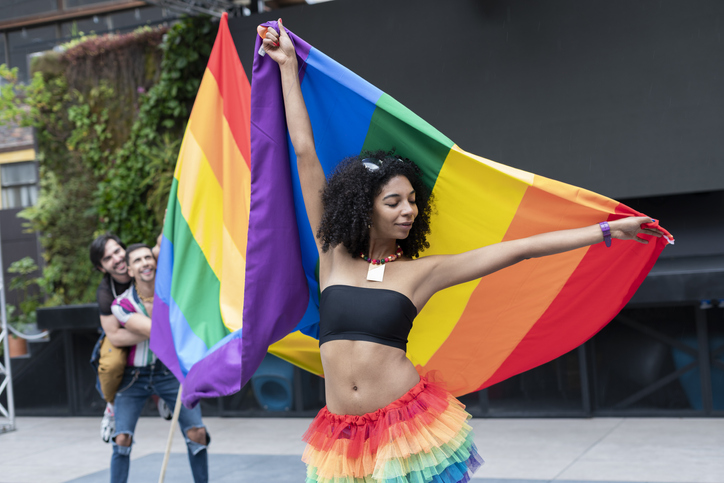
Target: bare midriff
point(362, 377)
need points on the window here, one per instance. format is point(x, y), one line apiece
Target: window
point(3, 60)
point(10, 9)
point(131, 19)
point(19, 184)
point(93, 25)
point(24, 42)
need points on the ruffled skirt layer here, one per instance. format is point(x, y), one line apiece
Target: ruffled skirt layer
point(422, 437)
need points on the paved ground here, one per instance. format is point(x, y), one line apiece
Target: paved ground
point(620, 450)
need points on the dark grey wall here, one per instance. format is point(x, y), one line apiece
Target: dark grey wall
point(696, 220)
point(624, 98)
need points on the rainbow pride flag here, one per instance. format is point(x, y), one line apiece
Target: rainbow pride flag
point(199, 302)
point(237, 270)
point(477, 333)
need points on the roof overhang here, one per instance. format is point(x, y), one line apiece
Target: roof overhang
point(683, 280)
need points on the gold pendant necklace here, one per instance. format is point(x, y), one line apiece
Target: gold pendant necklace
point(143, 299)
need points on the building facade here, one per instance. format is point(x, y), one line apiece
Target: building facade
point(622, 98)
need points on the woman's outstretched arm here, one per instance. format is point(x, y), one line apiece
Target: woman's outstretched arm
point(448, 270)
point(280, 48)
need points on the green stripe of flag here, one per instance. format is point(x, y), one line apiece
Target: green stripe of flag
point(395, 126)
point(200, 307)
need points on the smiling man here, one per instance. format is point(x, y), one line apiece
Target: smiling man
point(145, 375)
point(108, 255)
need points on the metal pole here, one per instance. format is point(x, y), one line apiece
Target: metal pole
point(585, 386)
point(7, 383)
point(702, 336)
point(7, 47)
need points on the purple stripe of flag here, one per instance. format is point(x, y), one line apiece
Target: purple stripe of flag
point(206, 380)
point(161, 331)
point(278, 298)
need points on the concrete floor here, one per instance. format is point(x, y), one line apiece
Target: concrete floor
point(660, 450)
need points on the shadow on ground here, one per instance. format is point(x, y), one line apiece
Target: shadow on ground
point(227, 468)
point(223, 468)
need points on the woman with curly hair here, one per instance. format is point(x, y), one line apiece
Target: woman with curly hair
point(383, 422)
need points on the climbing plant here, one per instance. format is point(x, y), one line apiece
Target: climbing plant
point(132, 196)
point(109, 114)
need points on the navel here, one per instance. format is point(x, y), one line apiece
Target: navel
point(354, 388)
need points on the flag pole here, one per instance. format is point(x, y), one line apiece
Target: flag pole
point(176, 412)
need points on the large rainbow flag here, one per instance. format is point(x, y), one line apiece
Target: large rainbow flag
point(199, 300)
point(475, 334)
point(237, 272)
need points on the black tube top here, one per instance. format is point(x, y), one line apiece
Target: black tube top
point(371, 314)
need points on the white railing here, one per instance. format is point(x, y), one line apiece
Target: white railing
point(7, 419)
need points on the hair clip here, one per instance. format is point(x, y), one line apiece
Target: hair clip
point(371, 164)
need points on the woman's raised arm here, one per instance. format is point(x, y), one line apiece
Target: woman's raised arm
point(447, 270)
point(280, 48)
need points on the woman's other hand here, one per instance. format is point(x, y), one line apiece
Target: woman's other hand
point(630, 229)
point(277, 45)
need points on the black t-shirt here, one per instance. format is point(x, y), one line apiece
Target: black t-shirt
point(104, 294)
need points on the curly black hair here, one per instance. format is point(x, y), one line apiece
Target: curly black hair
point(349, 196)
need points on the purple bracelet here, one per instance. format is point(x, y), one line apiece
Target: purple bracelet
point(606, 232)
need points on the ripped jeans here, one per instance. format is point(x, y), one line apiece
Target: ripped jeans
point(137, 385)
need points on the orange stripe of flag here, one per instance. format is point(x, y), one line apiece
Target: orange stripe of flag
point(214, 136)
point(206, 124)
point(235, 89)
point(527, 288)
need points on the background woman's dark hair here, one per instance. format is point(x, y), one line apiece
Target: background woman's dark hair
point(349, 196)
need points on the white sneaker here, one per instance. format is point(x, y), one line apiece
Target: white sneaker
point(108, 423)
point(163, 410)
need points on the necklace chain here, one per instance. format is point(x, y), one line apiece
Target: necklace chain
point(143, 298)
point(390, 258)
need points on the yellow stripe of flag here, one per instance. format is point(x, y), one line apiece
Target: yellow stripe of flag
point(201, 200)
point(486, 198)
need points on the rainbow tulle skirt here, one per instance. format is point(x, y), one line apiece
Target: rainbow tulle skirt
point(420, 438)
